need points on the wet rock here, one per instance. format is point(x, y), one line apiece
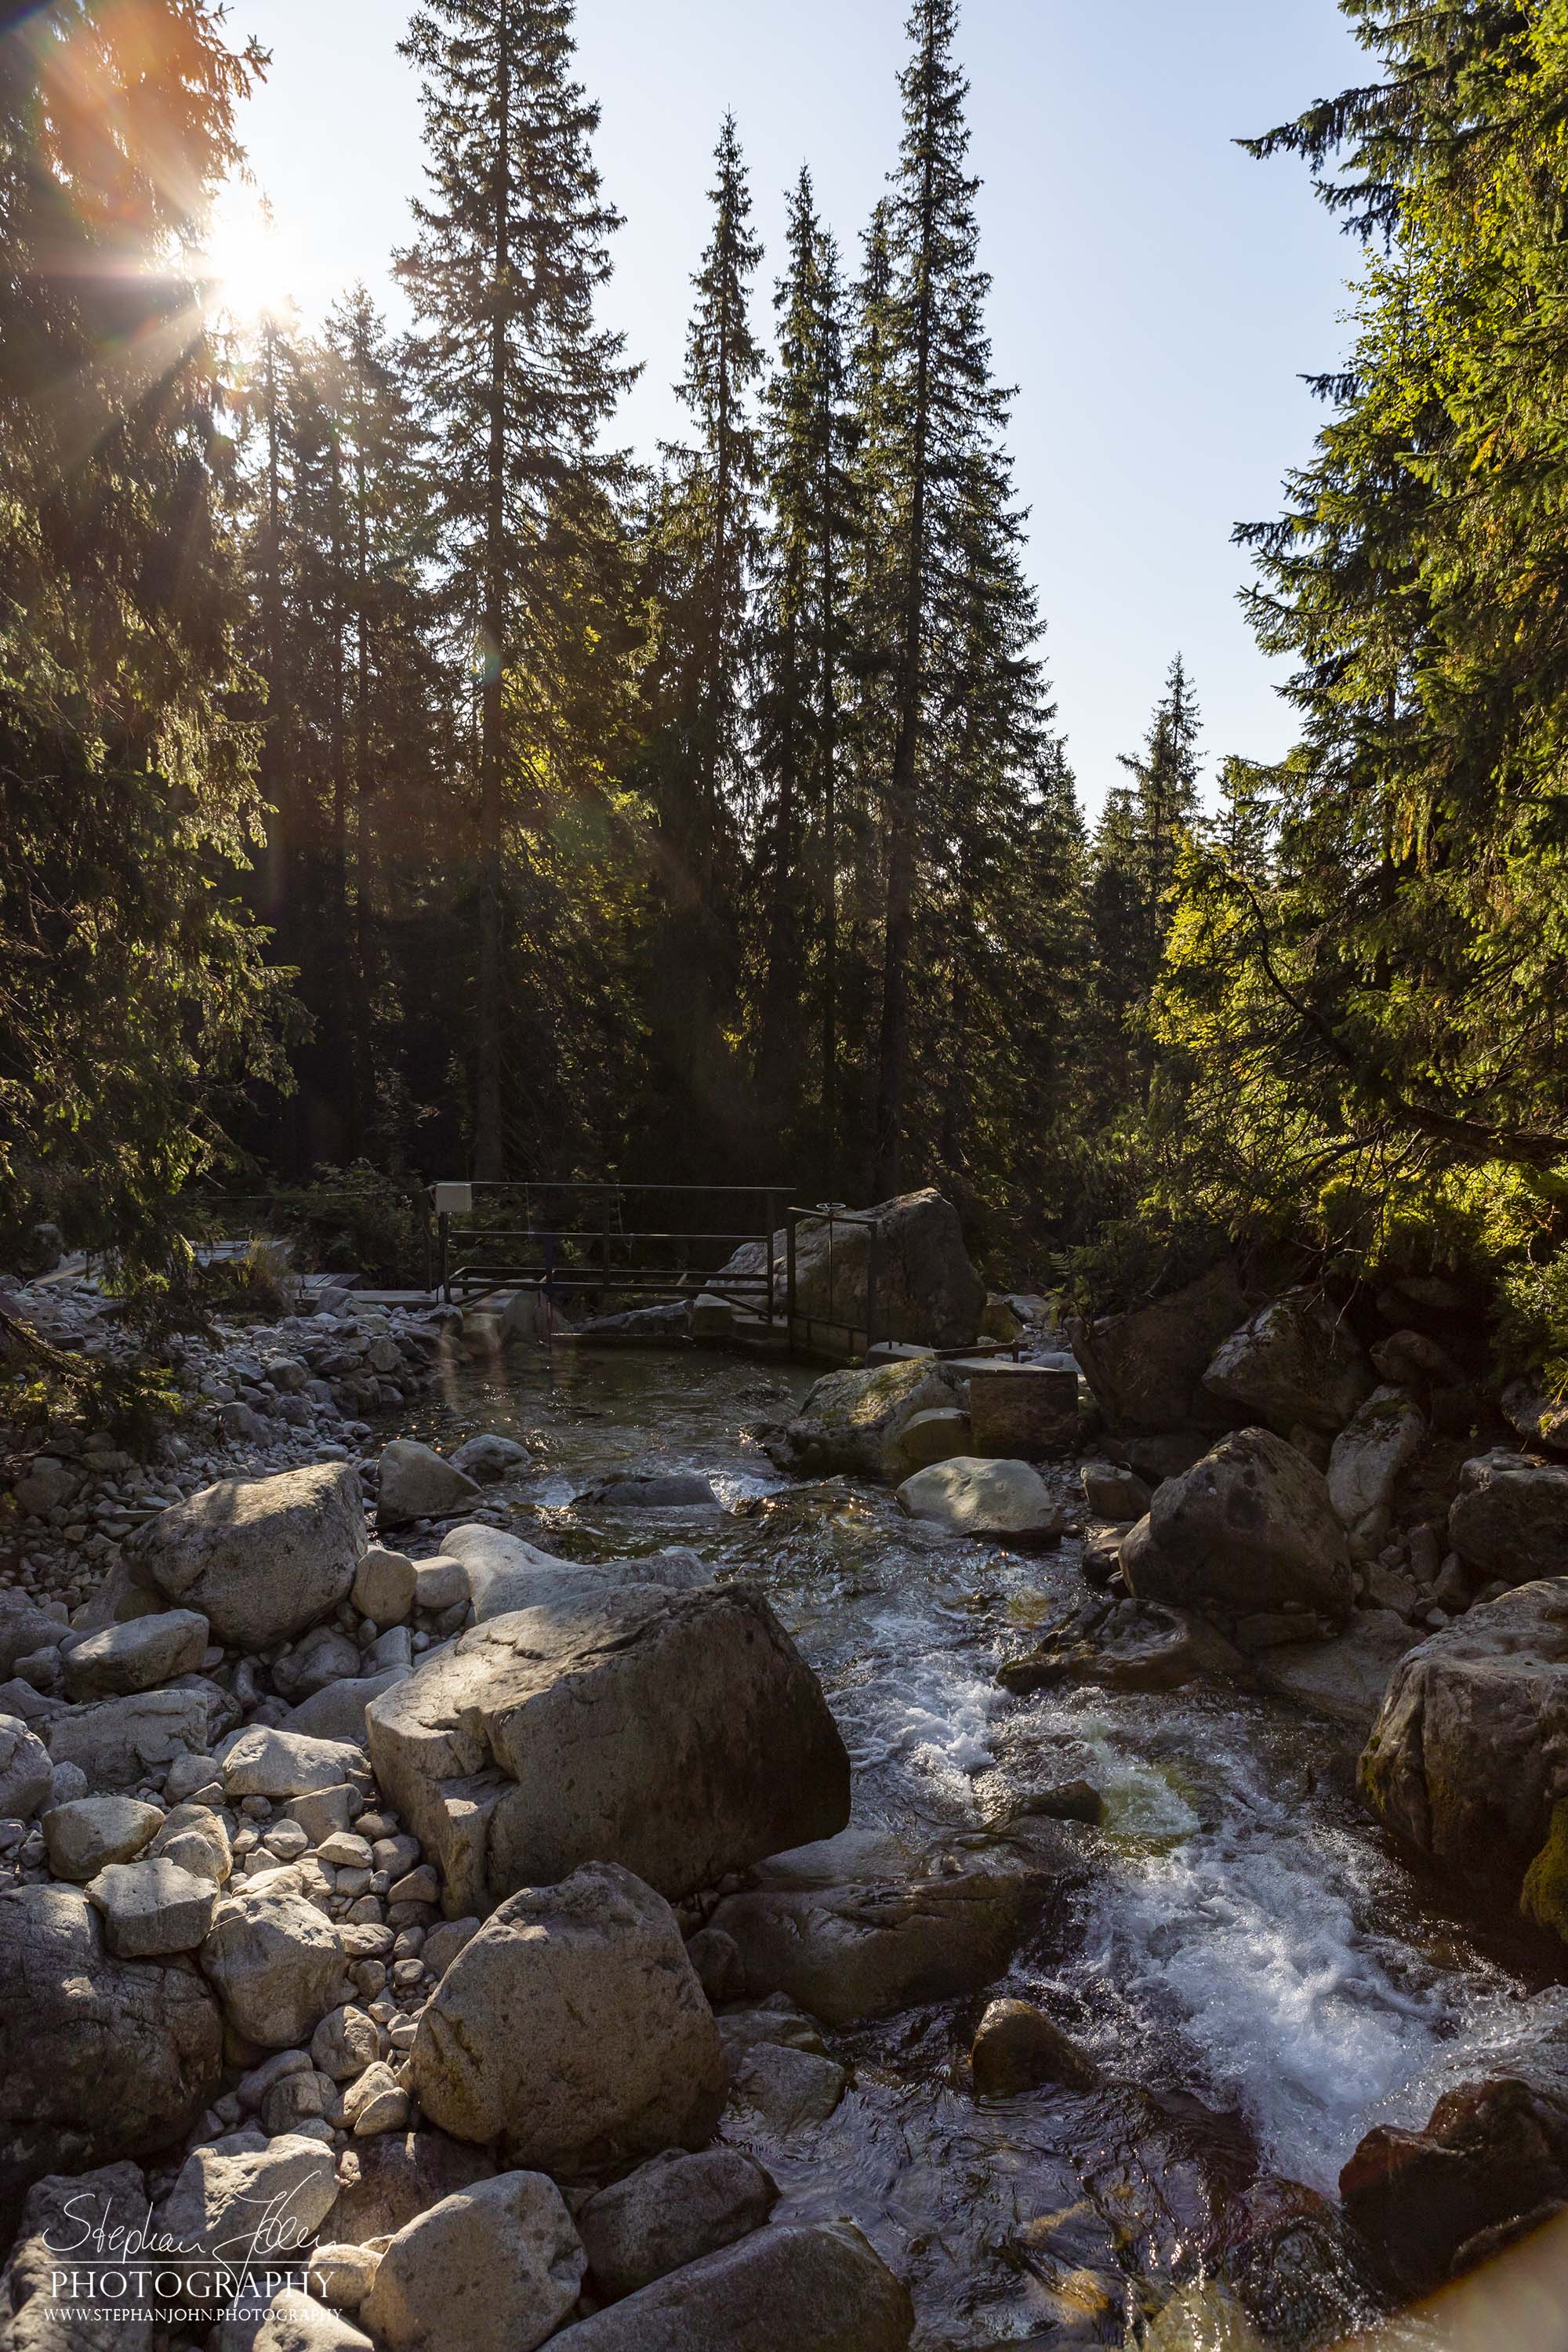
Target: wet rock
point(1510, 1519)
point(1135, 1646)
point(417, 1482)
point(787, 2087)
point(121, 1743)
point(1463, 1762)
point(1248, 1528)
point(26, 1771)
point(654, 1490)
point(1146, 1368)
point(1347, 1677)
point(1296, 1360)
point(385, 2182)
point(1006, 1501)
point(1543, 1898)
point(151, 1908)
point(851, 1952)
point(277, 1964)
point(1370, 1455)
point(495, 2268)
point(1112, 1493)
point(668, 2213)
point(678, 1733)
point(261, 1559)
point(34, 2316)
point(855, 1420)
point(1016, 2048)
point(816, 2289)
point(571, 2029)
point(1491, 2154)
point(489, 1457)
point(228, 2193)
point(81, 1837)
point(1072, 1800)
point(99, 2058)
point(1293, 2265)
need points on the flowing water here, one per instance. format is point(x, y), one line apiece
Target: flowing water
point(1258, 1977)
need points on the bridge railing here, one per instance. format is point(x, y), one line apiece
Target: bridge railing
point(612, 1239)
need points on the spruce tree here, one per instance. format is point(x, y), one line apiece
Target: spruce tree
point(518, 384)
point(702, 551)
point(801, 661)
point(1165, 776)
point(947, 478)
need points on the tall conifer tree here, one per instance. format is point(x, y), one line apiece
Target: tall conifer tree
point(802, 661)
point(948, 481)
point(519, 382)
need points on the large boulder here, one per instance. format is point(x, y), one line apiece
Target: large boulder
point(670, 2211)
point(818, 2288)
point(121, 1742)
point(261, 1559)
point(1370, 1456)
point(1250, 1529)
point(417, 1483)
point(137, 1656)
point(1129, 1645)
point(1146, 1367)
point(506, 1572)
point(855, 1951)
point(234, 2190)
point(27, 1770)
point(1510, 1519)
point(495, 2268)
point(1344, 1678)
point(1467, 1756)
point(1007, 1502)
point(60, 2212)
point(572, 2030)
point(679, 1733)
point(855, 1420)
point(383, 2182)
point(926, 1291)
point(278, 1963)
point(99, 2058)
point(1297, 1363)
point(1428, 2204)
point(24, 1628)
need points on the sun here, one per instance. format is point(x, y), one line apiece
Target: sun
point(248, 268)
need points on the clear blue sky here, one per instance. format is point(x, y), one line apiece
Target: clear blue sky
point(1157, 294)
